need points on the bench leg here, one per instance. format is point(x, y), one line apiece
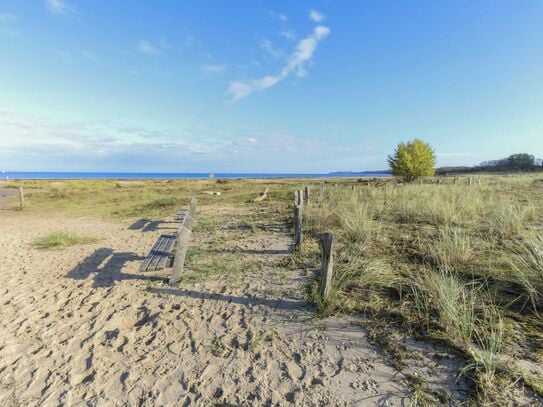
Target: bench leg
point(180, 253)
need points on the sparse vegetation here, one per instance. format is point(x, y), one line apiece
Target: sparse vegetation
point(454, 263)
point(59, 240)
point(451, 261)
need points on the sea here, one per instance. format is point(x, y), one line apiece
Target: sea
point(180, 175)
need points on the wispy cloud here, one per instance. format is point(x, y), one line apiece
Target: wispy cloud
point(212, 69)
point(58, 7)
point(280, 16)
point(91, 56)
point(34, 142)
point(65, 56)
point(288, 34)
point(150, 48)
point(296, 64)
point(316, 16)
point(267, 46)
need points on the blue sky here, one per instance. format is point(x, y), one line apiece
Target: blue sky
point(265, 86)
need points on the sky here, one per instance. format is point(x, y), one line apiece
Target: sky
point(266, 86)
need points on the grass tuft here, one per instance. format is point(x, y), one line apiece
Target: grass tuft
point(527, 262)
point(59, 240)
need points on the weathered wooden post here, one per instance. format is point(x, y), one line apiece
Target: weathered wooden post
point(182, 243)
point(21, 198)
point(297, 197)
point(326, 243)
point(321, 196)
point(470, 181)
point(306, 195)
point(297, 227)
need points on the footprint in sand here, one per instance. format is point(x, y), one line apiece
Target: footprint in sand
point(82, 369)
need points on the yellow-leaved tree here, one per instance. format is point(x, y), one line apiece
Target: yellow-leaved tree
point(412, 160)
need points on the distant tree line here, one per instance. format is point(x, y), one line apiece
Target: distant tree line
point(514, 163)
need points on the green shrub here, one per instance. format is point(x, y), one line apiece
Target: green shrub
point(412, 160)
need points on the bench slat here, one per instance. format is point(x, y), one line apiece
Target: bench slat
point(181, 215)
point(144, 266)
point(166, 261)
point(160, 253)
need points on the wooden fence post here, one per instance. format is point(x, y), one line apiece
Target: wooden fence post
point(306, 195)
point(297, 227)
point(326, 244)
point(322, 191)
point(470, 181)
point(21, 198)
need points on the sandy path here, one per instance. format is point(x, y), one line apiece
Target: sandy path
point(82, 326)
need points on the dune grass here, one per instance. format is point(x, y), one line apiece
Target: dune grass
point(451, 261)
point(59, 240)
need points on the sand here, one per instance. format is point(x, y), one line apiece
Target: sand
point(82, 326)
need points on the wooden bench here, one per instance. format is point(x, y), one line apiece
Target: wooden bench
point(169, 250)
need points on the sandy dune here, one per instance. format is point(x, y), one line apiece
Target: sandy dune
point(82, 326)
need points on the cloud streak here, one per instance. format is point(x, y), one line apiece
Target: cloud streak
point(316, 16)
point(150, 49)
point(33, 142)
point(212, 69)
point(295, 65)
point(58, 7)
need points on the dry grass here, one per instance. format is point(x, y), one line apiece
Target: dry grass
point(444, 258)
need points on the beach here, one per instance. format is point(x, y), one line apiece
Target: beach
point(82, 326)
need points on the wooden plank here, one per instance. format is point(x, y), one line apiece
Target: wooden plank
point(182, 243)
point(180, 216)
point(166, 261)
point(326, 243)
point(149, 258)
point(181, 247)
point(161, 252)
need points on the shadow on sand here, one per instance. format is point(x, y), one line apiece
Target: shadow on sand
point(232, 299)
point(107, 265)
point(251, 251)
point(148, 225)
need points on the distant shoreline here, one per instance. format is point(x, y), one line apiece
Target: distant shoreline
point(141, 176)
